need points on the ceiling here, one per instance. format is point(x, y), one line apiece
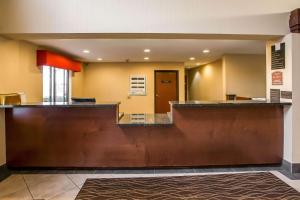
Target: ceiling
point(253, 17)
point(110, 28)
point(162, 50)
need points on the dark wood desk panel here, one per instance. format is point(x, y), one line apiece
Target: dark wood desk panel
point(66, 137)
point(90, 137)
point(232, 135)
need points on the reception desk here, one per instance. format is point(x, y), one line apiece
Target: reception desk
point(194, 134)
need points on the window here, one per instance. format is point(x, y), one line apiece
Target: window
point(56, 85)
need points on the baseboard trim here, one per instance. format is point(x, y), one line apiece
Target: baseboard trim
point(292, 170)
point(287, 166)
point(296, 168)
point(4, 172)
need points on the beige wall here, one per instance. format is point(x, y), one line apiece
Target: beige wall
point(245, 75)
point(19, 72)
point(205, 82)
point(2, 138)
point(240, 74)
point(287, 86)
point(110, 82)
point(77, 83)
point(291, 82)
point(296, 96)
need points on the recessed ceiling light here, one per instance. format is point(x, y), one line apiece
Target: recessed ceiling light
point(147, 50)
point(99, 59)
point(146, 58)
point(197, 64)
point(192, 58)
point(206, 51)
point(85, 51)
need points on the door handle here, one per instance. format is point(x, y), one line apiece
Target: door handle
point(157, 95)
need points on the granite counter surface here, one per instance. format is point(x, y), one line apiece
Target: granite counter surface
point(145, 120)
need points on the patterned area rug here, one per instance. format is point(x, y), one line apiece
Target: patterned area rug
point(241, 186)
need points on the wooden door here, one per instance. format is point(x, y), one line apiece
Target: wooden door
point(166, 89)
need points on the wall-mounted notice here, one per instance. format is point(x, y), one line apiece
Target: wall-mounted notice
point(277, 78)
point(278, 56)
point(286, 95)
point(275, 95)
point(137, 85)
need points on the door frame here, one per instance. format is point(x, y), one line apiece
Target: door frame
point(177, 85)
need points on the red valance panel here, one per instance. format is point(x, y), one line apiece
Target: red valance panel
point(48, 58)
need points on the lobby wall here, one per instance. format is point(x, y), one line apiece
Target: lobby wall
point(240, 74)
point(19, 72)
point(245, 74)
point(291, 82)
point(296, 97)
point(110, 82)
point(205, 82)
point(77, 83)
point(287, 85)
point(2, 138)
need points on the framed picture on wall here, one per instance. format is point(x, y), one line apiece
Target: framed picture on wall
point(277, 78)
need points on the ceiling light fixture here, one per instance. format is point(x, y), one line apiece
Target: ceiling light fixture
point(197, 64)
point(99, 59)
point(206, 51)
point(192, 58)
point(85, 51)
point(146, 58)
point(147, 50)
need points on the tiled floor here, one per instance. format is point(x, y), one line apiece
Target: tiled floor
point(66, 186)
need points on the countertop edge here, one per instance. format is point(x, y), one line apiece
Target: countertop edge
point(227, 103)
point(47, 105)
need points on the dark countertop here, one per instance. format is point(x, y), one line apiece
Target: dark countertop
point(225, 103)
point(62, 104)
point(144, 120)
